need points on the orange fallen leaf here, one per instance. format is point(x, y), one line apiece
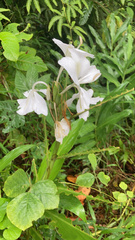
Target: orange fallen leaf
point(71, 178)
point(85, 191)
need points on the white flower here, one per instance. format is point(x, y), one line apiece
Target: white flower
point(67, 47)
point(33, 102)
point(62, 129)
point(79, 68)
point(84, 101)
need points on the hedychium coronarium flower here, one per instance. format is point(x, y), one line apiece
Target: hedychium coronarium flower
point(34, 101)
point(67, 49)
point(79, 68)
point(85, 99)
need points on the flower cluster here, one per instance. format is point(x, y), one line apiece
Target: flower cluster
point(79, 69)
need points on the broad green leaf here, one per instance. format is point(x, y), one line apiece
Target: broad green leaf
point(103, 178)
point(27, 60)
point(46, 191)
point(123, 186)
point(24, 209)
point(72, 204)
point(85, 180)
point(122, 197)
point(16, 184)
point(9, 157)
point(130, 194)
point(32, 77)
point(69, 140)
point(11, 232)
point(3, 205)
point(20, 83)
point(10, 45)
point(93, 160)
point(66, 228)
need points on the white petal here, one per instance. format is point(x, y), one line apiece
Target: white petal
point(63, 46)
point(33, 102)
point(92, 75)
point(39, 104)
point(70, 100)
point(44, 91)
point(62, 129)
point(26, 105)
point(83, 53)
point(70, 65)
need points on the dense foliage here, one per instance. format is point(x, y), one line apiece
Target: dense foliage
point(67, 168)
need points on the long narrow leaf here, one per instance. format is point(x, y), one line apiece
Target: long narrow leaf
point(9, 157)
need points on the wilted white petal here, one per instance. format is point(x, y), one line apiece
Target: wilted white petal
point(62, 129)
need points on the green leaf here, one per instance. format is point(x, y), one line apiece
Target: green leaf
point(72, 204)
point(97, 38)
point(85, 180)
point(35, 234)
point(109, 76)
point(10, 45)
point(112, 26)
point(122, 197)
point(130, 194)
point(16, 184)
point(47, 2)
point(103, 178)
point(69, 140)
point(123, 186)
point(11, 232)
point(37, 6)
point(93, 161)
point(112, 120)
point(4, 17)
point(121, 30)
point(86, 13)
point(28, 5)
point(65, 227)
point(59, 26)
point(46, 191)
point(24, 209)
point(3, 206)
point(9, 157)
point(53, 20)
point(27, 60)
